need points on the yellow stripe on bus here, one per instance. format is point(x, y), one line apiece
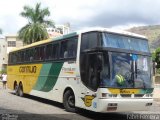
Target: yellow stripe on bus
point(27, 74)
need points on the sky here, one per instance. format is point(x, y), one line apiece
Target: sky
point(119, 14)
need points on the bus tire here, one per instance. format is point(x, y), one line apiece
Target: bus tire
point(16, 89)
point(69, 101)
point(20, 90)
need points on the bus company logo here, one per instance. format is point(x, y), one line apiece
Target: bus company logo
point(27, 69)
point(88, 100)
point(68, 70)
point(124, 91)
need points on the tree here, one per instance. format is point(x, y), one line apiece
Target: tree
point(35, 30)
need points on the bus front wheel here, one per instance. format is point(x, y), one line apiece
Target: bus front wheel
point(69, 101)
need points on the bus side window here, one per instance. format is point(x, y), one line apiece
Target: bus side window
point(31, 55)
point(41, 53)
point(69, 48)
point(49, 52)
point(64, 51)
point(89, 40)
point(14, 58)
point(22, 54)
point(18, 57)
point(36, 56)
point(55, 50)
point(27, 55)
point(72, 48)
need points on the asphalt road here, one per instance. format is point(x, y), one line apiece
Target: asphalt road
point(33, 108)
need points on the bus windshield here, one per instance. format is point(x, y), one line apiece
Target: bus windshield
point(125, 42)
point(128, 71)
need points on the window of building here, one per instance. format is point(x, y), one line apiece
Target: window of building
point(11, 43)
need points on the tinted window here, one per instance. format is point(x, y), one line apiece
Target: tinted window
point(124, 42)
point(72, 48)
point(68, 48)
point(63, 53)
point(42, 53)
point(27, 55)
point(55, 50)
point(39, 53)
point(22, 54)
point(89, 40)
point(49, 52)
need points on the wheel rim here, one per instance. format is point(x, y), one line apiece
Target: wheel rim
point(71, 101)
point(16, 89)
point(20, 91)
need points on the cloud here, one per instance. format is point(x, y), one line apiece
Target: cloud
point(84, 13)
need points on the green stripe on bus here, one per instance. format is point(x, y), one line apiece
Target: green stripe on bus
point(42, 76)
point(65, 36)
point(146, 91)
point(52, 77)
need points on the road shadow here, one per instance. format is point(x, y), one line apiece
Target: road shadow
point(81, 114)
point(102, 116)
point(42, 100)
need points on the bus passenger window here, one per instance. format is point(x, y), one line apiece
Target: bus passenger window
point(31, 55)
point(36, 56)
point(89, 40)
point(22, 54)
point(49, 52)
point(63, 53)
point(72, 48)
point(14, 58)
point(27, 54)
point(41, 53)
point(69, 48)
point(55, 50)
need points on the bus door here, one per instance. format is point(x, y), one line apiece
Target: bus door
point(90, 75)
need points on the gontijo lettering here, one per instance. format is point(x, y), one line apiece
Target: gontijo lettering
point(27, 69)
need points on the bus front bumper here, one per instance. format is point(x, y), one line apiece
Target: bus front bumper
point(123, 105)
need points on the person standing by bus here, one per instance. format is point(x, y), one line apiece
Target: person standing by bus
point(4, 80)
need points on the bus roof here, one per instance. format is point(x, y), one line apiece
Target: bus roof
point(111, 31)
point(80, 32)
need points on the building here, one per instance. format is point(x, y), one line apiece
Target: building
point(3, 53)
point(13, 42)
point(59, 30)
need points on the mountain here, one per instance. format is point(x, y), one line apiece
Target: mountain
point(152, 32)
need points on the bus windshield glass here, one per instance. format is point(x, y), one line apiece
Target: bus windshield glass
point(128, 71)
point(125, 42)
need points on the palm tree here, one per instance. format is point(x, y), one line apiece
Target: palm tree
point(35, 30)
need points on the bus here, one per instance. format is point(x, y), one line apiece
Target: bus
point(96, 69)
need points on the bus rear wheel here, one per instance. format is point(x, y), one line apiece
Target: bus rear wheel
point(69, 101)
point(16, 89)
point(20, 90)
